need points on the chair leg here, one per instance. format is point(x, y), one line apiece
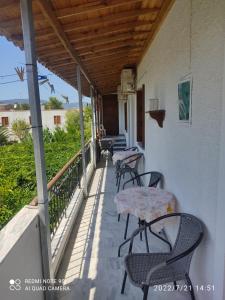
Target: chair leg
point(139, 222)
point(145, 290)
point(189, 283)
point(146, 240)
point(118, 187)
point(124, 282)
point(127, 222)
point(118, 217)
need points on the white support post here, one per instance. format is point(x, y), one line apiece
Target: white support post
point(93, 128)
point(35, 108)
point(82, 130)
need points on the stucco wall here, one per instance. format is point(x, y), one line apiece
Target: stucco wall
point(47, 117)
point(191, 40)
point(20, 256)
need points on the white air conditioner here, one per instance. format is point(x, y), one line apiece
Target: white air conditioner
point(120, 95)
point(128, 85)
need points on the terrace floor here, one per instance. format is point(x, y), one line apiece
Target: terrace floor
point(90, 265)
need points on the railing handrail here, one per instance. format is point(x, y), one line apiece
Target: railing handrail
point(59, 174)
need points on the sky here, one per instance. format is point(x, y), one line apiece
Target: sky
point(12, 57)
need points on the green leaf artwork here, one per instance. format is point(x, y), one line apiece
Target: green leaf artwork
point(184, 97)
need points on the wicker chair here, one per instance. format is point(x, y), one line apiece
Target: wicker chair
point(128, 165)
point(154, 179)
point(148, 269)
point(106, 145)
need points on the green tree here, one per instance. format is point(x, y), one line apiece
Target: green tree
point(22, 106)
point(3, 135)
point(53, 103)
point(73, 124)
point(87, 122)
point(20, 129)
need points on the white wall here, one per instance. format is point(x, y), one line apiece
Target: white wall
point(20, 255)
point(191, 157)
point(47, 117)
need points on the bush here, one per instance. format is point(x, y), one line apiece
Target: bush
point(21, 129)
point(3, 135)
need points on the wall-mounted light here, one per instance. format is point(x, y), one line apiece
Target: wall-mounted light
point(153, 104)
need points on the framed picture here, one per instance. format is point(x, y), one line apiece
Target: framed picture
point(185, 100)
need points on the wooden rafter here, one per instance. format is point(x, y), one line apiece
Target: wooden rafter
point(50, 16)
point(96, 21)
point(92, 8)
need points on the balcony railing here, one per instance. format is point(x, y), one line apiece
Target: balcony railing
point(62, 187)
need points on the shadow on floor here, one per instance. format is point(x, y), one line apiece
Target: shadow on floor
point(90, 266)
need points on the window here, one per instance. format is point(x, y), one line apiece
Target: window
point(141, 116)
point(5, 121)
point(125, 115)
point(57, 120)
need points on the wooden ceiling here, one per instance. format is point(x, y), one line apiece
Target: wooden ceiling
point(102, 36)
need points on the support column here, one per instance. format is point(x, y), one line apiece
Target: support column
point(82, 130)
point(35, 109)
point(93, 128)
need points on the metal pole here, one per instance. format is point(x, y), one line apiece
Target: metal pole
point(82, 130)
point(93, 126)
point(35, 109)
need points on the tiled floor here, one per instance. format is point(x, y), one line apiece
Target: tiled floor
point(90, 265)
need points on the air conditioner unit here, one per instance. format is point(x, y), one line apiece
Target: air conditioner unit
point(128, 85)
point(120, 95)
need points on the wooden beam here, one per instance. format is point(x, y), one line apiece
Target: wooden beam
point(110, 53)
point(107, 29)
point(6, 3)
point(53, 21)
point(115, 17)
point(88, 8)
point(108, 40)
point(111, 46)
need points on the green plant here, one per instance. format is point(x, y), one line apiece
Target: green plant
point(53, 103)
point(3, 135)
point(20, 129)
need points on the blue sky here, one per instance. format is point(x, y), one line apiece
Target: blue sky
point(11, 57)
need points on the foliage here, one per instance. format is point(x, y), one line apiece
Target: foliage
point(3, 135)
point(53, 103)
point(20, 129)
point(73, 123)
point(22, 106)
point(17, 168)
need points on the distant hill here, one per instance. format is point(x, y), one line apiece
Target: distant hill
point(20, 101)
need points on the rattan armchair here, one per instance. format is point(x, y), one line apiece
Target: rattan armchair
point(149, 269)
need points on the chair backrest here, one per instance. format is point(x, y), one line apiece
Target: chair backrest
point(131, 149)
point(105, 144)
point(133, 160)
point(189, 235)
point(155, 178)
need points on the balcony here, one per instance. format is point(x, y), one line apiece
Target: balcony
point(90, 266)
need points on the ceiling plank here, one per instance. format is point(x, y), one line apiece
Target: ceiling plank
point(108, 28)
point(111, 53)
point(95, 50)
point(50, 16)
point(114, 38)
point(101, 22)
point(87, 8)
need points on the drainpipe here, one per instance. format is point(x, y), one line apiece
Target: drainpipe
point(35, 109)
point(93, 127)
point(82, 130)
